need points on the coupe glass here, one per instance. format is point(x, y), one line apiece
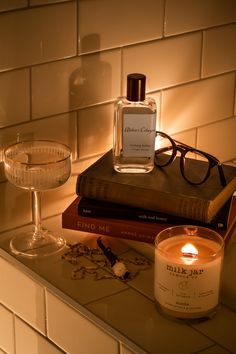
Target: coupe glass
point(37, 165)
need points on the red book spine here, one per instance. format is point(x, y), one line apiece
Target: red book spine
point(134, 230)
point(131, 230)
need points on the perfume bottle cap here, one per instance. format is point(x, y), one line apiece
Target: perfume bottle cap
point(136, 85)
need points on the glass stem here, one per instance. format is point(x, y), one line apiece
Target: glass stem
point(36, 215)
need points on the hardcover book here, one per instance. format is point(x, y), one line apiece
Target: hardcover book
point(128, 229)
point(99, 209)
point(163, 189)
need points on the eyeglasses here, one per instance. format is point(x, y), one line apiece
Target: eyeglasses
point(191, 170)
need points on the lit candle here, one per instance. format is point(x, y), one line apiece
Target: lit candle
point(188, 262)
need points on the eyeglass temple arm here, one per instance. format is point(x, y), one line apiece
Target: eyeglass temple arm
point(221, 174)
point(164, 149)
point(220, 170)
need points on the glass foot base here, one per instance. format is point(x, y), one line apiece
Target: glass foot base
point(27, 246)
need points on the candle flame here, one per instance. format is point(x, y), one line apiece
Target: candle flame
point(189, 252)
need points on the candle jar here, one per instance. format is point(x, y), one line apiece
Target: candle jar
point(188, 263)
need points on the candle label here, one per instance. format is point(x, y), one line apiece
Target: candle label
point(187, 288)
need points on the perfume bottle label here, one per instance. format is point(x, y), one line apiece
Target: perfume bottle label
point(139, 131)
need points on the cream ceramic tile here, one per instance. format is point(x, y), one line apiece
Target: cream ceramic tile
point(65, 131)
point(165, 62)
point(30, 341)
point(96, 79)
point(6, 330)
point(41, 129)
point(187, 137)
point(59, 271)
point(219, 50)
point(144, 281)
point(14, 103)
point(69, 84)
point(71, 236)
point(221, 328)
point(215, 349)
point(55, 201)
point(22, 295)
point(12, 4)
point(6, 140)
point(157, 98)
point(235, 105)
point(37, 35)
point(120, 17)
point(15, 206)
point(197, 104)
point(95, 130)
point(126, 350)
point(146, 249)
point(137, 318)
point(219, 139)
point(185, 15)
point(43, 2)
point(73, 332)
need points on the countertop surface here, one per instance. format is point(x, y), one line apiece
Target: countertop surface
point(127, 308)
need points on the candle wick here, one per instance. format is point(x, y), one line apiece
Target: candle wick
point(189, 254)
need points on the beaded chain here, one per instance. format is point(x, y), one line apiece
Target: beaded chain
point(79, 255)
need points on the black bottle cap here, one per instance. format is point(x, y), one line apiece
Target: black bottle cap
point(136, 86)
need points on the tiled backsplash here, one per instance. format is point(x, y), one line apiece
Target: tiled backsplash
point(63, 63)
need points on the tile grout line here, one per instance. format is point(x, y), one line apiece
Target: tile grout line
point(208, 337)
point(115, 48)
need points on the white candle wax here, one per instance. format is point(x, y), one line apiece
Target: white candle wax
point(187, 281)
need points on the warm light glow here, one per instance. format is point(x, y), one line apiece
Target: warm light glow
point(189, 252)
point(189, 249)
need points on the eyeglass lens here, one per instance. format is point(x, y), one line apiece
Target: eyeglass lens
point(166, 151)
point(194, 172)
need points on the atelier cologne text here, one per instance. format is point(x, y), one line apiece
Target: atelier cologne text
point(134, 129)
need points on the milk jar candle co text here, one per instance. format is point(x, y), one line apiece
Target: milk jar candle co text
point(188, 263)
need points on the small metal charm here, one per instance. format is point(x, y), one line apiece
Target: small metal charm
point(118, 267)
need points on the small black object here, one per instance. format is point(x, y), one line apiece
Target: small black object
point(108, 253)
point(118, 267)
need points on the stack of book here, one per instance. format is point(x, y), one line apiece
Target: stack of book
point(139, 206)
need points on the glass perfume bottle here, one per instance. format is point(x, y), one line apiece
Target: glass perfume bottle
point(134, 128)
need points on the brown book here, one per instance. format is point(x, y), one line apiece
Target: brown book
point(98, 208)
point(163, 189)
point(127, 229)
